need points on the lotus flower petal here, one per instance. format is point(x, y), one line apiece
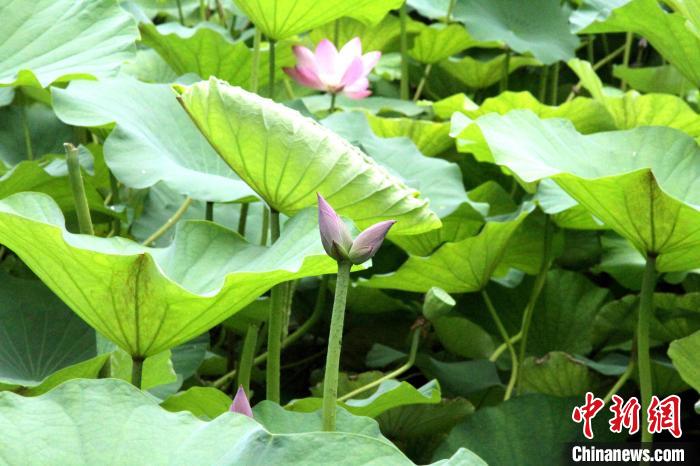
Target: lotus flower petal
point(369, 241)
point(335, 235)
point(240, 404)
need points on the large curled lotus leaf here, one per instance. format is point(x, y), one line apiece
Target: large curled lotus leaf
point(287, 158)
point(88, 422)
point(148, 300)
point(153, 140)
point(280, 19)
point(684, 354)
point(460, 267)
point(41, 336)
point(390, 394)
point(207, 51)
point(540, 27)
point(43, 41)
point(438, 42)
point(666, 32)
point(642, 183)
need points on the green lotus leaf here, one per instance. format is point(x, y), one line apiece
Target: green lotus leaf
point(390, 394)
point(458, 267)
point(46, 132)
point(431, 138)
point(461, 378)
point(204, 402)
point(149, 67)
point(454, 74)
point(287, 159)
point(148, 300)
point(438, 42)
point(68, 40)
point(666, 32)
point(133, 429)
point(639, 182)
point(280, 19)
point(206, 51)
point(665, 78)
point(540, 27)
point(558, 374)
point(463, 337)
point(384, 36)
point(684, 354)
point(373, 105)
point(42, 337)
point(153, 141)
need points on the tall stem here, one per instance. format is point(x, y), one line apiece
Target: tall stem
point(209, 211)
point(275, 323)
point(265, 226)
point(590, 49)
point(136, 371)
point(243, 218)
point(331, 109)
point(534, 296)
point(335, 340)
point(180, 16)
point(255, 64)
point(646, 309)
point(220, 12)
point(544, 76)
point(404, 52)
point(507, 341)
point(82, 209)
point(25, 126)
point(423, 80)
point(626, 57)
point(271, 84)
point(170, 222)
point(245, 364)
point(554, 90)
point(620, 382)
point(506, 72)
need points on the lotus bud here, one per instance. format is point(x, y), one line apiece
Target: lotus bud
point(337, 241)
point(240, 404)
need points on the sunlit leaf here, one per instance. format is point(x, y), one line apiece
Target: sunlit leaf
point(684, 353)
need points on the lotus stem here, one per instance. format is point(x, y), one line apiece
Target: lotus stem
point(544, 76)
point(335, 340)
point(626, 57)
point(137, 371)
point(114, 199)
point(506, 71)
point(209, 211)
point(646, 309)
point(255, 63)
point(265, 226)
point(203, 10)
point(620, 382)
point(82, 209)
point(403, 14)
point(271, 84)
point(170, 222)
point(603, 61)
point(590, 49)
point(331, 109)
point(245, 365)
point(534, 296)
point(25, 127)
point(450, 9)
point(507, 341)
point(180, 16)
point(221, 12)
point(504, 346)
point(415, 339)
point(243, 218)
point(554, 90)
point(423, 80)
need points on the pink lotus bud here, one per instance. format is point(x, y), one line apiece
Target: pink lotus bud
point(337, 241)
point(335, 71)
point(240, 404)
point(335, 235)
point(369, 241)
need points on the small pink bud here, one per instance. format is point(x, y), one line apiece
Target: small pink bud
point(335, 235)
point(240, 404)
point(369, 241)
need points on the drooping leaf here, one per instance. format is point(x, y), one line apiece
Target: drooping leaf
point(68, 40)
point(153, 141)
point(287, 159)
point(684, 354)
point(134, 429)
point(438, 42)
point(630, 180)
point(148, 300)
point(280, 19)
point(475, 257)
point(204, 402)
point(537, 26)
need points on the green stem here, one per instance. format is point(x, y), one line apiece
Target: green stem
point(202, 10)
point(255, 64)
point(544, 77)
point(209, 212)
point(504, 346)
point(626, 57)
point(506, 72)
point(170, 222)
point(450, 9)
point(554, 90)
point(271, 84)
point(331, 109)
point(245, 365)
point(136, 371)
point(423, 80)
point(415, 339)
point(534, 296)
point(243, 218)
point(265, 226)
point(82, 209)
point(507, 341)
point(25, 126)
point(275, 323)
point(403, 14)
point(620, 382)
point(335, 340)
point(180, 16)
point(590, 49)
point(603, 61)
point(221, 12)
point(646, 310)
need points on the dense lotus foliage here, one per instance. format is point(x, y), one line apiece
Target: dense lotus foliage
point(344, 232)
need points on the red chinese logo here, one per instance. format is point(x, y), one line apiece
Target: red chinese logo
point(665, 415)
point(625, 415)
point(587, 412)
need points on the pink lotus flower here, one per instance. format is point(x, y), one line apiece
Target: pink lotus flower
point(240, 404)
point(337, 241)
point(332, 71)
